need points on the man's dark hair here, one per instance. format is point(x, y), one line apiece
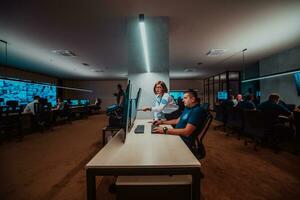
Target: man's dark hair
point(119, 86)
point(192, 93)
point(36, 97)
point(274, 97)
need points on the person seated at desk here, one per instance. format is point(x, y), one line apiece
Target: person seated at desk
point(189, 124)
point(164, 103)
point(272, 105)
point(60, 104)
point(30, 106)
point(247, 104)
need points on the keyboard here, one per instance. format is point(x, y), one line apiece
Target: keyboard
point(152, 127)
point(139, 129)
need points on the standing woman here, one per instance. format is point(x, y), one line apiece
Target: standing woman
point(163, 103)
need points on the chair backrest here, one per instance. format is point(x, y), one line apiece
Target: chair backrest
point(36, 108)
point(205, 106)
point(204, 130)
point(219, 113)
point(198, 148)
point(297, 122)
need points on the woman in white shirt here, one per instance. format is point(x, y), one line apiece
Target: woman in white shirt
point(163, 102)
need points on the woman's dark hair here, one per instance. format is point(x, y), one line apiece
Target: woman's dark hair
point(163, 85)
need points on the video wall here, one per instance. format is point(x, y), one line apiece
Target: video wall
point(23, 92)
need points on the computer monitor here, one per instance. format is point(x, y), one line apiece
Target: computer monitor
point(176, 95)
point(12, 103)
point(257, 93)
point(126, 111)
point(134, 106)
point(223, 95)
point(74, 102)
point(297, 81)
point(84, 102)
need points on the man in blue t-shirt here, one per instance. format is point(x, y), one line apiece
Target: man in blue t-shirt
point(189, 123)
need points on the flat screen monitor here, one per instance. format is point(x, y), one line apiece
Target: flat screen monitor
point(134, 106)
point(297, 81)
point(24, 91)
point(74, 102)
point(176, 95)
point(126, 111)
point(258, 93)
point(84, 102)
point(222, 95)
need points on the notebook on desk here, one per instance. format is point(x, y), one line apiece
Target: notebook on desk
point(139, 129)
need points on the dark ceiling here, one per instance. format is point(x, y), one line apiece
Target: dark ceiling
point(97, 32)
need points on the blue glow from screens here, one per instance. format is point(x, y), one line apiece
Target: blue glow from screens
point(84, 102)
point(176, 94)
point(74, 102)
point(23, 92)
point(222, 95)
point(258, 93)
point(297, 80)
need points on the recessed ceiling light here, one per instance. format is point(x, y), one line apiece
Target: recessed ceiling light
point(64, 52)
point(216, 52)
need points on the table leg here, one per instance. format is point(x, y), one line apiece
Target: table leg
point(196, 185)
point(91, 185)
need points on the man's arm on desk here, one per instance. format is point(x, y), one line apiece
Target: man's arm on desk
point(167, 122)
point(188, 130)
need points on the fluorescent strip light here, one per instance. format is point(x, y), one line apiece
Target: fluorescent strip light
point(272, 76)
point(145, 44)
point(77, 89)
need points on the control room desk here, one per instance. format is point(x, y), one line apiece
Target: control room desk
point(144, 154)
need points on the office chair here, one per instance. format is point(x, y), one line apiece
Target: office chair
point(199, 149)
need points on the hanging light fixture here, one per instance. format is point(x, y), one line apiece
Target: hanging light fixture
point(5, 43)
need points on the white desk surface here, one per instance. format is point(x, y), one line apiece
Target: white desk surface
point(144, 150)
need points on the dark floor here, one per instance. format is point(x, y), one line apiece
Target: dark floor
point(51, 166)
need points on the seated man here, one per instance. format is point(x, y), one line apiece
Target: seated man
point(272, 105)
point(247, 104)
point(189, 124)
point(60, 104)
point(30, 106)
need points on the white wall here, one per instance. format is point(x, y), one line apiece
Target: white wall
point(146, 81)
point(285, 85)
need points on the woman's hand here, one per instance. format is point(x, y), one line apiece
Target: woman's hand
point(145, 109)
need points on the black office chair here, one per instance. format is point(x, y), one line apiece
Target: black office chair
point(198, 148)
point(219, 110)
point(254, 127)
point(42, 117)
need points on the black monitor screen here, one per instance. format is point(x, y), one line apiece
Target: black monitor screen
point(23, 91)
point(297, 80)
point(126, 110)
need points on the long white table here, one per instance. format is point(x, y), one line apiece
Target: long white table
point(144, 154)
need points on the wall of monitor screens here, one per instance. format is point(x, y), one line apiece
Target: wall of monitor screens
point(24, 91)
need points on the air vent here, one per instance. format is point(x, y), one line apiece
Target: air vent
point(64, 53)
point(97, 70)
point(85, 64)
point(189, 70)
point(216, 52)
